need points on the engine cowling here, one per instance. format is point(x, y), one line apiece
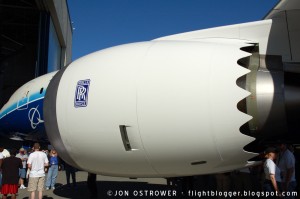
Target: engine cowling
point(159, 108)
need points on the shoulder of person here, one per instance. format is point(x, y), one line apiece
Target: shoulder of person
point(290, 154)
point(41, 152)
point(269, 162)
point(17, 159)
point(5, 153)
point(8, 159)
point(31, 154)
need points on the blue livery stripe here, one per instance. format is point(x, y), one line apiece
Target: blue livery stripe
point(23, 102)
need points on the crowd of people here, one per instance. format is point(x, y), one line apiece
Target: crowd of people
point(38, 168)
point(275, 175)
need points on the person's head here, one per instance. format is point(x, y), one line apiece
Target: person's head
point(22, 151)
point(282, 146)
point(291, 148)
point(13, 152)
point(53, 152)
point(36, 146)
point(271, 153)
point(1, 148)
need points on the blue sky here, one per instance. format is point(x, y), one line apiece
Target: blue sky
point(100, 24)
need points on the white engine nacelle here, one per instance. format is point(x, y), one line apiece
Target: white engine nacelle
point(151, 109)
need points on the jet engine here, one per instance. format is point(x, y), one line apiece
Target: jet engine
point(158, 108)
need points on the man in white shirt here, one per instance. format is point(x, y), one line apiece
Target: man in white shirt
point(36, 163)
point(272, 172)
point(24, 157)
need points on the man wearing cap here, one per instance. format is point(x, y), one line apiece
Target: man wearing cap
point(286, 163)
point(22, 173)
point(272, 172)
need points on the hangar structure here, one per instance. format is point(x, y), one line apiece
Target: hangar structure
point(35, 39)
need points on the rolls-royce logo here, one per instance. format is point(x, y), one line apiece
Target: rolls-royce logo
point(81, 94)
point(34, 117)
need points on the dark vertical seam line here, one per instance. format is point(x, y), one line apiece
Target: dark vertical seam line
point(288, 32)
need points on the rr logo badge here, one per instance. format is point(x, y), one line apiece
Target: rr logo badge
point(81, 94)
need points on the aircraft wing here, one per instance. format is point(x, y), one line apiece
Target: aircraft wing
point(284, 5)
point(287, 13)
